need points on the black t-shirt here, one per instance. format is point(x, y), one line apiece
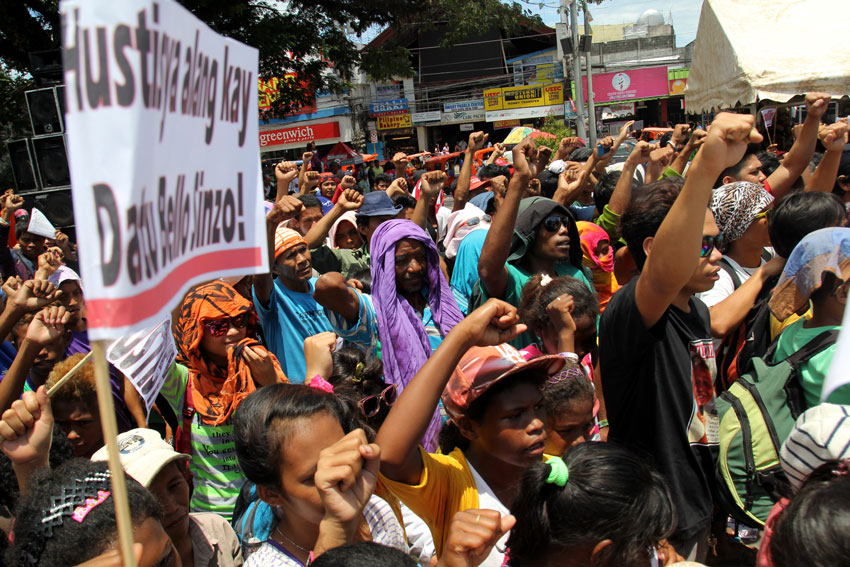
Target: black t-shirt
point(658, 385)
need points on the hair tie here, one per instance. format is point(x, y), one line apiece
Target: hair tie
point(558, 472)
point(319, 383)
point(358, 372)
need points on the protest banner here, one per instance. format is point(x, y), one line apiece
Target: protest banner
point(162, 140)
point(145, 358)
point(161, 119)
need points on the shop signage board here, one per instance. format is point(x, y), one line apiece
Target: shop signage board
point(628, 85)
point(523, 97)
point(388, 108)
point(421, 117)
point(460, 117)
point(505, 124)
point(467, 127)
point(299, 134)
point(464, 105)
point(520, 113)
point(394, 121)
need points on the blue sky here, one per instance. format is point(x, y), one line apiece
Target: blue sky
point(684, 13)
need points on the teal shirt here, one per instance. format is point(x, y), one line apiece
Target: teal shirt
point(812, 373)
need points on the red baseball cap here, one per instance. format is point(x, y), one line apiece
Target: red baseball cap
point(482, 367)
point(475, 183)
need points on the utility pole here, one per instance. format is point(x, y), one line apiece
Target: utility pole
point(591, 111)
point(580, 129)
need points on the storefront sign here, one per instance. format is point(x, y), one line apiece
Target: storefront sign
point(388, 108)
point(394, 121)
point(463, 116)
point(421, 117)
point(677, 86)
point(467, 127)
point(388, 91)
point(505, 124)
point(519, 113)
point(628, 85)
point(462, 105)
point(523, 97)
point(299, 134)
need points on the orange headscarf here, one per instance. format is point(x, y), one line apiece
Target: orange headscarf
point(602, 268)
point(214, 395)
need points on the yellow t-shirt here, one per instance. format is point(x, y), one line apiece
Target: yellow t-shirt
point(445, 488)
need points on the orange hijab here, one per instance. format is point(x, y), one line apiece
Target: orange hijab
point(215, 395)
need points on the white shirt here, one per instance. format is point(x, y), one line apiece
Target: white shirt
point(724, 287)
point(487, 500)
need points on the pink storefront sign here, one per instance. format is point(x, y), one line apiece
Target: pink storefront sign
point(628, 85)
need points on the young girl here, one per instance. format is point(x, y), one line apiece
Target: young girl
point(302, 448)
point(562, 313)
point(598, 257)
point(68, 518)
point(600, 505)
point(216, 341)
point(492, 396)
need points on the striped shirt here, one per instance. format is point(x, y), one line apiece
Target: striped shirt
point(216, 475)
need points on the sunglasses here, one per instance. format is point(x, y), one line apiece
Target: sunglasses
point(554, 223)
point(709, 243)
point(219, 327)
point(475, 221)
point(371, 405)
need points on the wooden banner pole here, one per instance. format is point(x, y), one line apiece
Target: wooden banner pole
point(110, 436)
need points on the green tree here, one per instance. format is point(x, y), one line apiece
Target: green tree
point(557, 128)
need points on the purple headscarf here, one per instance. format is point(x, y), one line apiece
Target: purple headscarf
point(404, 343)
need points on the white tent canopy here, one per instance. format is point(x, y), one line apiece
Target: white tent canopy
point(750, 50)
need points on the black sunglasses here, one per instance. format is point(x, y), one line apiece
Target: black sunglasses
point(554, 223)
point(709, 243)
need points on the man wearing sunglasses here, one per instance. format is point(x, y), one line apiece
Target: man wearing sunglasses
point(528, 237)
point(655, 346)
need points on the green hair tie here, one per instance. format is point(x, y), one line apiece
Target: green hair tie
point(558, 473)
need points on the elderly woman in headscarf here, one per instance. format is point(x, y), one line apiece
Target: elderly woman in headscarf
point(221, 363)
point(410, 310)
point(740, 210)
point(598, 257)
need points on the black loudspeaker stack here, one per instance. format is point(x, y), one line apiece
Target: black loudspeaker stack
point(40, 163)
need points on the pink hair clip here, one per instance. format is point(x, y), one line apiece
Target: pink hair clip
point(80, 512)
point(843, 468)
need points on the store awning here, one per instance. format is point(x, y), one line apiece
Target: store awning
point(768, 49)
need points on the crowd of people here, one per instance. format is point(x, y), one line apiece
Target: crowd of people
point(529, 365)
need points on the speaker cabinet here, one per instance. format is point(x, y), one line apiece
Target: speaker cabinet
point(46, 67)
point(21, 158)
point(44, 112)
point(56, 204)
point(51, 160)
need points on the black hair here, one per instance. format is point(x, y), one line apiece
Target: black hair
point(309, 201)
point(735, 170)
point(364, 276)
point(665, 139)
point(451, 436)
point(20, 228)
point(548, 183)
point(492, 170)
point(60, 452)
point(646, 212)
point(364, 554)
point(769, 162)
point(71, 542)
point(406, 201)
point(261, 425)
point(383, 177)
point(605, 186)
point(356, 375)
point(610, 494)
point(798, 214)
point(536, 297)
point(563, 393)
point(814, 530)
point(581, 154)
point(452, 187)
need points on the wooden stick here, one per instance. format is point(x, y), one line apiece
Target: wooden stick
point(110, 436)
point(69, 375)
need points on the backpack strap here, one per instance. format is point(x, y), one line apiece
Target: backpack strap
point(727, 267)
point(812, 348)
